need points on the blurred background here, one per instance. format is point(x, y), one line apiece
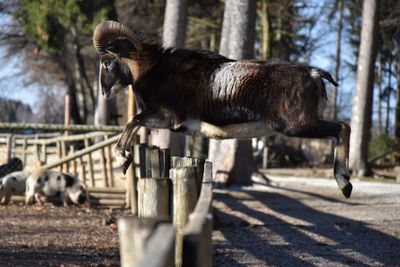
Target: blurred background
point(46, 53)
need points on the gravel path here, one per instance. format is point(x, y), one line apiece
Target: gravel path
point(307, 222)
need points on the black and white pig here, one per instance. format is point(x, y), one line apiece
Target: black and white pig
point(12, 184)
point(54, 184)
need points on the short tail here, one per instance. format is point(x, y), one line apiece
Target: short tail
point(325, 75)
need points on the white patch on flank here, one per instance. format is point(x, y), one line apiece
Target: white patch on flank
point(223, 80)
point(240, 130)
point(315, 73)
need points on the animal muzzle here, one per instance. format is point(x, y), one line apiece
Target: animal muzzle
point(82, 198)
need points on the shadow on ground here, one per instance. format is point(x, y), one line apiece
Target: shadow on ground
point(322, 239)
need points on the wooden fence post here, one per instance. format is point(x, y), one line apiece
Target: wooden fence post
point(110, 166)
point(24, 152)
point(90, 164)
point(133, 235)
point(184, 200)
point(265, 157)
point(163, 238)
point(131, 186)
point(153, 198)
point(153, 191)
point(82, 171)
point(74, 165)
point(191, 162)
point(197, 234)
point(59, 154)
point(104, 167)
point(63, 154)
point(9, 147)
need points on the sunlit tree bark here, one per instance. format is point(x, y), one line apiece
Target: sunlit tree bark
point(362, 104)
point(233, 161)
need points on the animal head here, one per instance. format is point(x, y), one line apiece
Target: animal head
point(77, 194)
point(119, 49)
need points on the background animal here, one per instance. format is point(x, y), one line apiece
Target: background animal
point(14, 164)
point(12, 184)
point(43, 183)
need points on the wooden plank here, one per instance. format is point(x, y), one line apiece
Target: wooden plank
point(109, 165)
point(68, 138)
point(165, 155)
point(153, 198)
point(133, 234)
point(197, 246)
point(82, 152)
point(113, 190)
point(90, 163)
point(37, 156)
point(265, 157)
point(44, 154)
point(63, 155)
point(108, 202)
point(59, 127)
point(74, 164)
point(24, 151)
point(82, 171)
point(131, 185)
point(155, 166)
point(59, 154)
point(107, 195)
point(10, 147)
point(163, 238)
point(104, 167)
point(142, 159)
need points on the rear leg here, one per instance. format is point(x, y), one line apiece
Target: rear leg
point(340, 131)
point(341, 160)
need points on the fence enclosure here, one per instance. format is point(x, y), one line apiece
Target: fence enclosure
point(85, 155)
point(170, 197)
point(174, 221)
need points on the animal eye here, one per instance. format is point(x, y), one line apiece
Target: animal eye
point(109, 64)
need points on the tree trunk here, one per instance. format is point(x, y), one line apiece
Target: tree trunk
point(379, 82)
point(397, 115)
point(71, 87)
point(233, 161)
point(173, 36)
point(362, 105)
point(389, 93)
point(174, 31)
point(81, 71)
point(337, 67)
point(265, 33)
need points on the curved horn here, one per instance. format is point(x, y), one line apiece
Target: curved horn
point(111, 30)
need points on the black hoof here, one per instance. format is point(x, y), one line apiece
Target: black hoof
point(344, 185)
point(127, 163)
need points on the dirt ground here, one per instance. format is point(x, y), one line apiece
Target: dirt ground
point(56, 236)
point(307, 222)
point(287, 222)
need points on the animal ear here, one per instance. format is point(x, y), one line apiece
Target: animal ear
point(121, 47)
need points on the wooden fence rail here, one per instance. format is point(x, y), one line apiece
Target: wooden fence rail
point(59, 127)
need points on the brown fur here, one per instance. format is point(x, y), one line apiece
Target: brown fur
point(174, 86)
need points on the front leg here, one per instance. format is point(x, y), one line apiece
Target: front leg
point(158, 119)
